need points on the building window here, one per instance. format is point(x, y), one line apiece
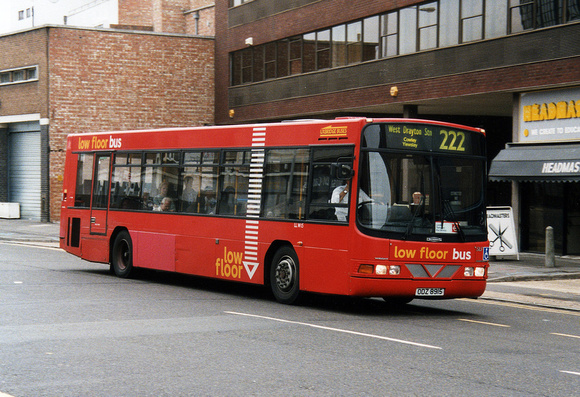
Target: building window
point(536, 14)
point(390, 34)
point(270, 60)
point(338, 50)
point(295, 55)
point(471, 20)
point(496, 18)
point(370, 48)
point(323, 49)
point(19, 75)
point(408, 30)
point(235, 3)
point(309, 52)
point(354, 42)
point(430, 25)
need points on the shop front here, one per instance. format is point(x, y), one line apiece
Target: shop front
point(543, 164)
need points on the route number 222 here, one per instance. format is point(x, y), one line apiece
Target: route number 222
point(452, 140)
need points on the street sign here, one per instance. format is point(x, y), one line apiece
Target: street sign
point(501, 232)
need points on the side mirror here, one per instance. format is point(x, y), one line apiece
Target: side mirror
point(342, 171)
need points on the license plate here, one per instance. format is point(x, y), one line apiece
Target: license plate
point(430, 292)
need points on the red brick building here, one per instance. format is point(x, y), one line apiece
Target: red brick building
point(470, 62)
point(56, 80)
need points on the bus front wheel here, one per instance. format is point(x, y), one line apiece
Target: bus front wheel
point(122, 258)
point(284, 276)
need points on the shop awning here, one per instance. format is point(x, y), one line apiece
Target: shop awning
point(539, 163)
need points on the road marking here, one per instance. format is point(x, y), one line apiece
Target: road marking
point(33, 245)
point(519, 306)
point(571, 373)
point(483, 322)
point(569, 336)
point(5, 395)
point(345, 331)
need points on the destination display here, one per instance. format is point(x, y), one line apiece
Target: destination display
point(425, 137)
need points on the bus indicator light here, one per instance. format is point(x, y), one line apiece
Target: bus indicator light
point(366, 269)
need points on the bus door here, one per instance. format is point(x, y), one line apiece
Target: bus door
point(100, 199)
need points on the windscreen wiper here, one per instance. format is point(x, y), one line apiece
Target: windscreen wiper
point(448, 209)
point(415, 215)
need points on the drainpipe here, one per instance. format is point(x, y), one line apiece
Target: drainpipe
point(196, 16)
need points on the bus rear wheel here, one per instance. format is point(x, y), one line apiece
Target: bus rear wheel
point(284, 276)
point(122, 257)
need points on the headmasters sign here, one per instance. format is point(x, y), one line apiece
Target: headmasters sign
point(550, 116)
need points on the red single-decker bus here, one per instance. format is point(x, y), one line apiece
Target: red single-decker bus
point(391, 208)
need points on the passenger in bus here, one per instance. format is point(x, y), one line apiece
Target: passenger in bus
point(164, 192)
point(189, 196)
point(166, 205)
point(227, 201)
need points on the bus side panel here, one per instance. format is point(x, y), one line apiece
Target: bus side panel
point(195, 255)
point(324, 270)
point(154, 250)
point(324, 264)
point(95, 249)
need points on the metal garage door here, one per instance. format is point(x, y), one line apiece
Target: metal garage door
point(24, 168)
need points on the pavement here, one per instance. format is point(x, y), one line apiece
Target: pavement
point(525, 281)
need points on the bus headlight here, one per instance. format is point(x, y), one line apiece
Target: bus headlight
point(468, 272)
point(381, 269)
point(394, 270)
point(479, 271)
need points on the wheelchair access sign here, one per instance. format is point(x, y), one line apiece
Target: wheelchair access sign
point(501, 232)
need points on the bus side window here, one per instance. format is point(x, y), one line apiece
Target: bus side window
point(235, 177)
point(330, 195)
point(126, 182)
point(208, 181)
point(84, 180)
point(285, 182)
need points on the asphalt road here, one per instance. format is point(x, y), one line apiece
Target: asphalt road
point(69, 328)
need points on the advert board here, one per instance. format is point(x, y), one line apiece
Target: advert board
point(501, 232)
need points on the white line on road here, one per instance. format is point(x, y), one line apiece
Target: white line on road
point(569, 336)
point(336, 330)
point(48, 246)
point(483, 322)
point(571, 373)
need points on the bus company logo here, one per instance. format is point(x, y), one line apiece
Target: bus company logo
point(333, 132)
point(95, 142)
point(427, 253)
point(230, 265)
